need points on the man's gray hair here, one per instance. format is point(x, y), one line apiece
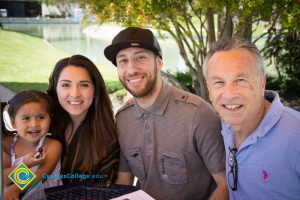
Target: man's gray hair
point(235, 43)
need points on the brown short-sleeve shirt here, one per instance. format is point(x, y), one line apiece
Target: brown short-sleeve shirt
point(172, 147)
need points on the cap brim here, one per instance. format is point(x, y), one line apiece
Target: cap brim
point(112, 50)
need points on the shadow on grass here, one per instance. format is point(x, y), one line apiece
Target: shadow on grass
point(19, 86)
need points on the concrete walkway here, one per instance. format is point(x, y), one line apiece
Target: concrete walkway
point(5, 94)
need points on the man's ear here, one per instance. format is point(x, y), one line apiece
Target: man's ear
point(159, 62)
point(263, 82)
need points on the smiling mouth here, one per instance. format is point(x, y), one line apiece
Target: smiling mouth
point(136, 79)
point(75, 102)
point(33, 132)
point(232, 106)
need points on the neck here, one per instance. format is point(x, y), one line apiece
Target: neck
point(241, 133)
point(148, 100)
point(76, 120)
point(26, 143)
point(72, 127)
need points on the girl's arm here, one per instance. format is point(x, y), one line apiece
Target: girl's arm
point(52, 154)
point(7, 169)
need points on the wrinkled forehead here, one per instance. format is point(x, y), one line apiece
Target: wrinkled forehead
point(233, 60)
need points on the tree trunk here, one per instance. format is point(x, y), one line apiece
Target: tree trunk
point(211, 35)
point(199, 84)
point(225, 24)
point(246, 28)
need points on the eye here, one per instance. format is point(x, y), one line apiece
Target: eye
point(241, 82)
point(41, 117)
point(25, 118)
point(65, 85)
point(141, 57)
point(85, 85)
point(218, 83)
point(122, 61)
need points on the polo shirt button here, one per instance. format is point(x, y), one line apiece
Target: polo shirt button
point(165, 176)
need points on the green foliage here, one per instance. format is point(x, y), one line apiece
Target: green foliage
point(113, 86)
point(185, 78)
point(120, 94)
point(285, 53)
point(273, 83)
point(192, 23)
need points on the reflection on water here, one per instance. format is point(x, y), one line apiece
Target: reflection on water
point(50, 32)
point(70, 38)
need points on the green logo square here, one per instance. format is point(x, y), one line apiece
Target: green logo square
point(21, 176)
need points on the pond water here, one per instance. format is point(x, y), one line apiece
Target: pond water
point(72, 39)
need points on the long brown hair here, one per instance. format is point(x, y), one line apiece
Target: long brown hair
point(97, 131)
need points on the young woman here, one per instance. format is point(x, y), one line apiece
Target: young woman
point(30, 116)
point(84, 116)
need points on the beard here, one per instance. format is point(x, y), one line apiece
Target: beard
point(147, 90)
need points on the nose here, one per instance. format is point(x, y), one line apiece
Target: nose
point(75, 91)
point(34, 122)
point(230, 90)
point(132, 66)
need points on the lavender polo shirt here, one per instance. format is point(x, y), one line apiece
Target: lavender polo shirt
point(269, 159)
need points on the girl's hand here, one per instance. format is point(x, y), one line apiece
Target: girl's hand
point(11, 193)
point(35, 158)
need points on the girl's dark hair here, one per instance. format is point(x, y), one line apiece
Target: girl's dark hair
point(19, 100)
point(29, 96)
point(97, 131)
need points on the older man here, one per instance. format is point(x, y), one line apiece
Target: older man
point(170, 139)
point(261, 136)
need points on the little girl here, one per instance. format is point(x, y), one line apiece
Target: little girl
point(30, 115)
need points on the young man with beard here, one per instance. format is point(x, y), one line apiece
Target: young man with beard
point(261, 135)
point(170, 139)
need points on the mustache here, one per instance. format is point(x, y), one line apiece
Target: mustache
point(135, 74)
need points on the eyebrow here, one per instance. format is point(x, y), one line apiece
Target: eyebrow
point(65, 80)
point(84, 81)
point(236, 76)
point(242, 75)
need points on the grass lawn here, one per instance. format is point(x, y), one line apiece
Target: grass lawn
point(27, 62)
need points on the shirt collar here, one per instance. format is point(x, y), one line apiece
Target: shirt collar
point(272, 116)
point(159, 105)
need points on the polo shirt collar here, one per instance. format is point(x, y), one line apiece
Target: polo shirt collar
point(272, 116)
point(160, 104)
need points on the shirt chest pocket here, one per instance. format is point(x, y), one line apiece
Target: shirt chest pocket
point(173, 168)
point(136, 163)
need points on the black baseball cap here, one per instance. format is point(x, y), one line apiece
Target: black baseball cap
point(132, 37)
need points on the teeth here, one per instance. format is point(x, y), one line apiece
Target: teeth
point(232, 107)
point(75, 102)
point(134, 80)
point(33, 131)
